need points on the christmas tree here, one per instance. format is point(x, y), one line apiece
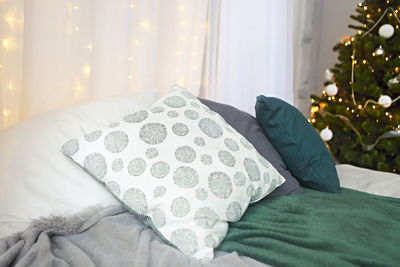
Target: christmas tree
point(358, 114)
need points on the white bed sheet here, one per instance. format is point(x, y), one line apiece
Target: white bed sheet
point(370, 181)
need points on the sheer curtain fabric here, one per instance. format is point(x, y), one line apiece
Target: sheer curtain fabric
point(59, 53)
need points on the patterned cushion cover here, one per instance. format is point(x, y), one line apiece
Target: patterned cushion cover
point(181, 167)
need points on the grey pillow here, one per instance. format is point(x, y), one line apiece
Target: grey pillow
point(247, 126)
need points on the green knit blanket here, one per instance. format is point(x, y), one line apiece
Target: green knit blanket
point(350, 228)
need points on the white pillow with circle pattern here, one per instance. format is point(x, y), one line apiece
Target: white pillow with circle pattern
point(181, 167)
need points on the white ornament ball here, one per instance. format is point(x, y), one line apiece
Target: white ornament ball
point(386, 31)
point(331, 89)
point(328, 75)
point(326, 134)
point(385, 101)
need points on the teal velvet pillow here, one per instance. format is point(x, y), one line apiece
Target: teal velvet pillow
point(298, 143)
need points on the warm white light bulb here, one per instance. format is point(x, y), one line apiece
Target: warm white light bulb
point(144, 24)
point(6, 113)
point(10, 20)
point(76, 28)
point(76, 7)
point(89, 46)
point(137, 42)
point(6, 43)
point(181, 8)
point(10, 86)
point(86, 70)
point(78, 88)
point(132, 5)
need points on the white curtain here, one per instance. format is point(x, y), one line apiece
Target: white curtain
point(58, 53)
point(250, 52)
point(307, 33)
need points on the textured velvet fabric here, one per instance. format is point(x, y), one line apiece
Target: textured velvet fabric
point(350, 228)
point(247, 126)
point(298, 143)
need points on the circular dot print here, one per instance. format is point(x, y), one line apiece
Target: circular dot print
point(93, 136)
point(180, 207)
point(231, 144)
point(194, 104)
point(206, 159)
point(263, 161)
point(185, 154)
point(250, 190)
point(256, 194)
point(159, 191)
point(226, 158)
point(252, 169)
point(116, 141)
point(151, 153)
point(188, 95)
point(201, 194)
point(267, 178)
point(185, 177)
point(136, 167)
point(246, 143)
point(70, 147)
point(153, 133)
point(157, 109)
point(136, 117)
point(205, 217)
point(113, 124)
point(191, 114)
point(199, 141)
point(180, 129)
point(239, 179)
point(136, 200)
point(174, 101)
point(95, 164)
point(209, 111)
point(158, 217)
point(272, 186)
point(234, 211)
point(114, 188)
point(220, 184)
point(210, 242)
point(159, 169)
point(210, 128)
point(117, 165)
point(173, 114)
point(185, 240)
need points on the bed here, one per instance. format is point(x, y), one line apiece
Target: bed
point(53, 213)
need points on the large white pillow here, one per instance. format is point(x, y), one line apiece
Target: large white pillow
point(36, 179)
point(181, 167)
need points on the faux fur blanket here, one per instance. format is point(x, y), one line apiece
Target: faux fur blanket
point(99, 237)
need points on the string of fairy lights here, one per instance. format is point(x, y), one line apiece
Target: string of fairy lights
point(8, 45)
point(386, 31)
point(185, 53)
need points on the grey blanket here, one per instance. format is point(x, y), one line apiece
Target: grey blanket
point(99, 237)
